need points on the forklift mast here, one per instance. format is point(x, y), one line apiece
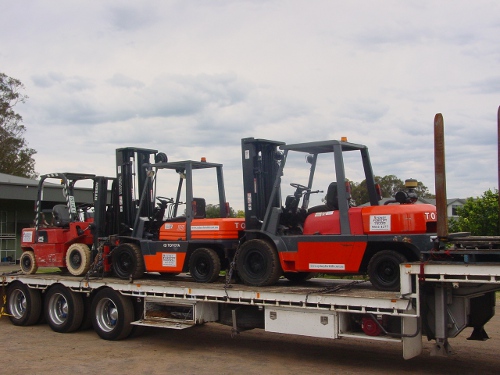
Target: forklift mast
point(105, 220)
point(261, 161)
point(132, 179)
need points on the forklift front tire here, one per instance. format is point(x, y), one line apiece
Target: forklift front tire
point(78, 259)
point(28, 263)
point(258, 264)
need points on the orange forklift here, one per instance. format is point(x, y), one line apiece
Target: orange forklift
point(292, 239)
point(172, 236)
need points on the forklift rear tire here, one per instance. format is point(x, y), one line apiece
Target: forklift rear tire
point(28, 263)
point(24, 304)
point(204, 265)
point(128, 261)
point(64, 309)
point(383, 270)
point(78, 258)
point(112, 314)
point(258, 264)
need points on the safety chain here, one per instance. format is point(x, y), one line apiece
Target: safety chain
point(4, 300)
point(229, 275)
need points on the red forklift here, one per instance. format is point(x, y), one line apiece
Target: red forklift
point(292, 239)
point(174, 235)
point(65, 235)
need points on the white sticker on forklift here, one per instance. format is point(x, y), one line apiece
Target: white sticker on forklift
point(28, 236)
point(380, 222)
point(205, 227)
point(318, 266)
point(168, 260)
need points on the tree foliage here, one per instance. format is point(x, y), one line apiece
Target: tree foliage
point(16, 158)
point(213, 211)
point(478, 216)
point(389, 185)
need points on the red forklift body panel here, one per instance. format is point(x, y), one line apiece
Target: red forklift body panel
point(50, 244)
point(330, 257)
point(329, 222)
point(165, 262)
point(407, 218)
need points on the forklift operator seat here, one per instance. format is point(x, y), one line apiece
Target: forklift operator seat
point(332, 200)
point(61, 215)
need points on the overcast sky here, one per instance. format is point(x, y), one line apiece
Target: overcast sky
point(191, 78)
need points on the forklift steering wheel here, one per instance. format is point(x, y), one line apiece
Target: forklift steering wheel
point(164, 200)
point(299, 186)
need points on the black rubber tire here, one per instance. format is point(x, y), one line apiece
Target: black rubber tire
point(299, 277)
point(78, 259)
point(138, 304)
point(258, 263)
point(128, 261)
point(204, 265)
point(28, 262)
point(112, 314)
point(63, 309)
point(87, 313)
point(24, 305)
point(383, 270)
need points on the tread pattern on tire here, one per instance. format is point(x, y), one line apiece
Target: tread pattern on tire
point(255, 254)
point(213, 261)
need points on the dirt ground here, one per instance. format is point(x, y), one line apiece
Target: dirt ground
point(209, 349)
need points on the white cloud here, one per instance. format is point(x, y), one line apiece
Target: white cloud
point(193, 77)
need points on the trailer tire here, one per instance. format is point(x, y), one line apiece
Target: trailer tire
point(78, 259)
point(258, 264)
point(204, 265)
point(112, 314)
point(383, 270)
point(63, 309)
point(28, 262)
point(128, 261)
point(24, 305)
point(87, 313)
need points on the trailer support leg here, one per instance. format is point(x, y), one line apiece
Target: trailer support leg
point(441, 348)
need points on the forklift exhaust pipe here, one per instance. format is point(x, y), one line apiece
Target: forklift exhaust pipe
point(440, 178)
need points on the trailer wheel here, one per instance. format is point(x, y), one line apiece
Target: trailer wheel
point(258, 263)
point(78, 259)
point(383, 269)
point(298, 277)
point(87, 313)
point(24, 304)
point(63, 309)
point(204, 265)
point(112, 314)
point(128, 261)
point(28, 263)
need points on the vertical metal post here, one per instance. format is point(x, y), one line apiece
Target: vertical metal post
point(440, 177)
point(498, 164)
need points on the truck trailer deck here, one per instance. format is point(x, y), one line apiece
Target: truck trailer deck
point(437, 299)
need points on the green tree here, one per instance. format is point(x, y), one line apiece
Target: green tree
point(16, 157)
point(389, 186)
point(213, 211)
point(478, 216)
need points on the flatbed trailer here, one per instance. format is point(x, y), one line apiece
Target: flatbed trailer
point(437, 299)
